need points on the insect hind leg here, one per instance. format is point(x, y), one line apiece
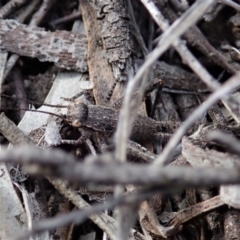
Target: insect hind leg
point(85, 135)
point(110, 92)
point(86, 93)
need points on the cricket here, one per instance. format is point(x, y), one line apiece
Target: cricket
point(105, 119)
point(89, 118)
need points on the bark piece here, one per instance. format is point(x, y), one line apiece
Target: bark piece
point(177, 78)
point(186, 104)
point(232, 225)
point(100, 71)
point(66, 49)
point(114, 24)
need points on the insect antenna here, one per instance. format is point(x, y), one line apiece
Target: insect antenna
point(38, 111)
point(32, 102)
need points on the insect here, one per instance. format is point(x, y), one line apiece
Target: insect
point(90, 118)
point(105, 119)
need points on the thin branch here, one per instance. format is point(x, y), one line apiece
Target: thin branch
point(20, 90)
point(231, 4)
point(27, 10)
point(42, 12)
point(100, 170)
point(12, 132)
point(71, 17)
point(10, 7)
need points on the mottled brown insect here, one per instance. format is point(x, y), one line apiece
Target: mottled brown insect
point(104, 119)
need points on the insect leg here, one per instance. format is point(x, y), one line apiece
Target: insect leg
point(85, 134)
point(110, 92)
point(72, 99)
point(87, 93)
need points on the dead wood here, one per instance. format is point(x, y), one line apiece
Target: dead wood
point(120, 52)
point(66, 50)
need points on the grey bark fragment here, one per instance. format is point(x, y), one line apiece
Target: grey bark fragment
point(66, 49)
point(178, 78)
point(117, 40)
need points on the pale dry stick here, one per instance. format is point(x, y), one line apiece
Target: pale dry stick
point(227, 88)
point(128, 212)
point(186, 55)
point(119, 190)
point(91, 147)
point(10, 64)
point(11, 132)
point(20, 91)
point(174, 178)
point(68, 18)
point(28, 206)
point(3, 61)
point(27, 10)
point(230, 3)
point(176, 29)
point(37, 18)
point(10, 7)
point(41, 13)
point(21, 18)
point(45, 162)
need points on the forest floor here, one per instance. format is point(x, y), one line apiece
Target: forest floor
point(120, 119)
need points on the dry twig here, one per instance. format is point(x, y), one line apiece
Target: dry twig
point(10, 7)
